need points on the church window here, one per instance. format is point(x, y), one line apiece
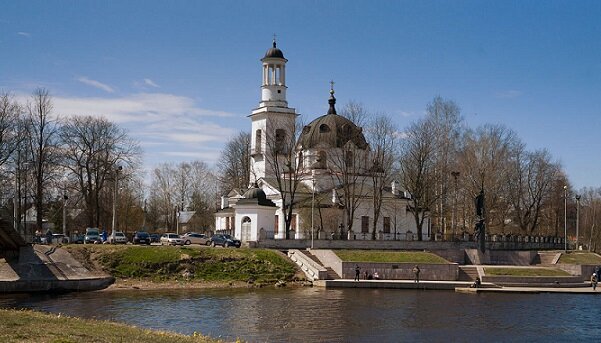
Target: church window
point(364, 224)
point(301, 161)
point(258, 140)
point(321, 159)
point(293, 223)
point(280, 140)
point(386, 224)
point(348, 158)
point(276, 225)
point(323, 128)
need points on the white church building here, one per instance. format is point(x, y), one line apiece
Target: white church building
point(318, 209)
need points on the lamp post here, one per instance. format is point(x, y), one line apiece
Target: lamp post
point(114, 223)
point(565, 219)
point(144, 217)
point(312, 206)
point(577, 218)
point(455, 175)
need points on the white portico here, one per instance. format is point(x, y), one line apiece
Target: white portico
point(254, 216)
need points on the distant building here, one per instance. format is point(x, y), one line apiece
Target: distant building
point(256, 213)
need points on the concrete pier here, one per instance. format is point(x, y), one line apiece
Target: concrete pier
point(45, 268)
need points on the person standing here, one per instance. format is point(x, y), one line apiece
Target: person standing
point(416, 272)
point(594, 280)
point(357, 272)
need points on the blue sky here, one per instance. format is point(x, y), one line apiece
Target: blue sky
point(183, 75)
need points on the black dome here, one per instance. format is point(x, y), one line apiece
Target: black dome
point(255, 196)
point(274, 52)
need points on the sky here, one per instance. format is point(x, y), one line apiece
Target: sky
point(182, 76)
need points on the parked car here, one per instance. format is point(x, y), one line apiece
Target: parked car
point(57, 238)
point(171, 239)
point(117, 237)
point(77, 239)
point(155, 238)
point(141, 237)
point(195, 238)
point(225, 241)
point(92, 236)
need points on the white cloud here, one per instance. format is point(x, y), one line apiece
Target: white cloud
point(96, 84)
point(168, 126)
point(509, 94)
point(151, 83)
point(24, 34)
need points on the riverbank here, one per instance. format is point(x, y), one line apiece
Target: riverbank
point(190, 267)
point(31, 326)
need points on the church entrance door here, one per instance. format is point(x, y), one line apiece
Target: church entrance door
point(246, 226)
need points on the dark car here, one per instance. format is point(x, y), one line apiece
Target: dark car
point(141, 237)
point(225, 241)
point(155, 238)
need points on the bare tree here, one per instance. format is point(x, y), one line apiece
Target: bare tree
point(234, 164)
point(92, 148)
point(417, 170)
point(444, 116)
point(42, 141)
point(529, 186)
point(381, 135)
point(10, 112)
point(485, 163)
point(281, 158)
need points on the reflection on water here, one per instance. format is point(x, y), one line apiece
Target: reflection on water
point(339, 315)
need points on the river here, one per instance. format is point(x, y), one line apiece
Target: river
point(338, 315)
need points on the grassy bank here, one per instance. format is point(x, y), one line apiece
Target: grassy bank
point(164, 264)
point(29, 326)
point(580, 258)
point(389, 256)
point(525, 272)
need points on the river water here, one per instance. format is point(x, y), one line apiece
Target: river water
point(338, 315)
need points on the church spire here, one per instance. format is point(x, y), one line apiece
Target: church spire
point(332, 100)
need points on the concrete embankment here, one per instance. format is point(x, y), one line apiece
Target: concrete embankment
point(50, 269)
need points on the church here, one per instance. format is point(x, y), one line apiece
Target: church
point(322, 184)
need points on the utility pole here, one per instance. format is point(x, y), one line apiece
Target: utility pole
point(577, 220)
point(114, 223)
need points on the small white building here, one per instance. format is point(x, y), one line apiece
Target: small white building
point(318, 209)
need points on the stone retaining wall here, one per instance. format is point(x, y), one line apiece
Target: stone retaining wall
point(402, 271)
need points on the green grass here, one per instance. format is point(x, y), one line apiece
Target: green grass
point(525, 272)
point(580, 258)
point(163, 263)
point(30, 326)
point(389, 256)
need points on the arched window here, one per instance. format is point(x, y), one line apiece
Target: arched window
point(321, 160)
point(280, 140)
point(258, 141)
point(323, 128)
point(301, 162)
point(349, 158)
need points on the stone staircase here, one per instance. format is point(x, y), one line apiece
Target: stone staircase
point(546, 258)
point(468, 273)
point(332, 275)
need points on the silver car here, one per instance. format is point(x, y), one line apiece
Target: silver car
point(195, 238)
point(171, 239)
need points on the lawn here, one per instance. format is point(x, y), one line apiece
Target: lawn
point(580, 258)
point(30, 326)
point(389, 256)
point(163, 263)
point(525, 272)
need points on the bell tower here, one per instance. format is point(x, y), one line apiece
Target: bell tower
point(273, 120)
